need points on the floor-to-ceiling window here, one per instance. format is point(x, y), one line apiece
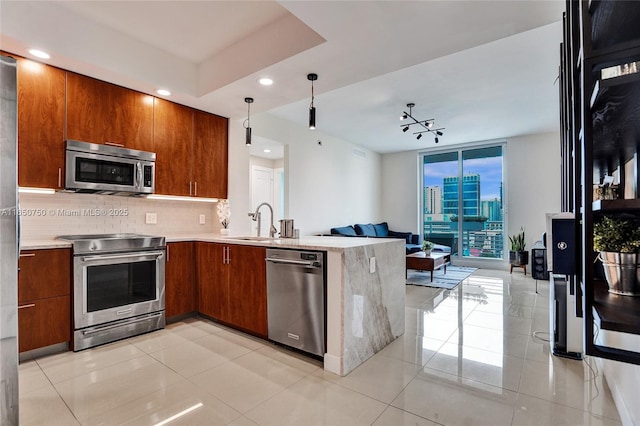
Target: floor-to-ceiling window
point(462, 201)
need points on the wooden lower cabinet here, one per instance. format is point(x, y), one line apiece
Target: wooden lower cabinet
point(232, 285)
point(44, 274)
point(213, 282)
point(44, 298)
point(248, 289)
point(44, 322)
point(180, 285)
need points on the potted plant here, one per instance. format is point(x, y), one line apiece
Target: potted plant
point(427, 246)
point(518, 256)
point(224, 213)
point(617, 238)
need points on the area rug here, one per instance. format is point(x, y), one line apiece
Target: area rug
point(454, 276)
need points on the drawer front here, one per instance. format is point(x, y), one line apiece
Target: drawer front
point(44, 322)
point(44, 274)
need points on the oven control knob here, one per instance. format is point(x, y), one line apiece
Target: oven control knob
point(93, 247)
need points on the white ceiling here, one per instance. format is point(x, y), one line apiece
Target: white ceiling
point(482, 69)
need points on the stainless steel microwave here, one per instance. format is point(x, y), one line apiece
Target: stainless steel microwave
point(106, 169)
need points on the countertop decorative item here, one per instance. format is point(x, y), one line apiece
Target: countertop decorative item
point(427, 246)
point(617, 238)
point(224, 213)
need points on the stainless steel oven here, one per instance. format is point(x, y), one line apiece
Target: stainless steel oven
point(118, 287)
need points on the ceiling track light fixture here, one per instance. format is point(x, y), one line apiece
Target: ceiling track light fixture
point(425, 124)
point(312, 109)
point(247, 122)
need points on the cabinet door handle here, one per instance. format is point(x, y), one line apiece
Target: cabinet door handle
point(59, 177)
point(27, 255)
point(30, 305)
point(167, 252)
point(195, 185)
point(189, 188)
point(119, 145)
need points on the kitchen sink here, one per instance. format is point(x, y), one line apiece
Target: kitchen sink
point(253, 238)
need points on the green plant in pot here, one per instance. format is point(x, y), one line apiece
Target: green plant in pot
point(518, 256)
point(617, 238)
point(427, 246)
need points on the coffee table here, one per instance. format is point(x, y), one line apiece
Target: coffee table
point(421, 262)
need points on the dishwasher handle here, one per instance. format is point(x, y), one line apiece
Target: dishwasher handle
point(308, 264)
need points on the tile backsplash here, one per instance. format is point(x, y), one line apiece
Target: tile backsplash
point(48, 215)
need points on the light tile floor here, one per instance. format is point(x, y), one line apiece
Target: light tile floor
point(468, 357)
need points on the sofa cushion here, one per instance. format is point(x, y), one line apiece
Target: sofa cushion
point(366, 230)
point(404, 235)
point(441, 249)
point(344, 230)
point(382, 229)
point(413, 248)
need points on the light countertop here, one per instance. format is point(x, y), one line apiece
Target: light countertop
point(305, 242)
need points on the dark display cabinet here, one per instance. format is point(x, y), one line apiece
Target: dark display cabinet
point(600, 130)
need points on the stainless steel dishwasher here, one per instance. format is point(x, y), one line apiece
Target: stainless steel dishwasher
point(296, 299)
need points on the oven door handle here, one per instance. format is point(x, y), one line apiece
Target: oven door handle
point(122, 323)
point(157, 254)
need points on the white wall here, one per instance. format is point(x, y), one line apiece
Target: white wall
point(327, 184)
point(239, 189)
point(532, 185)
point(400, 190)
point(623, 379)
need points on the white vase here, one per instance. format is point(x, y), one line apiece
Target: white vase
point(225, 231)
point(427, 252)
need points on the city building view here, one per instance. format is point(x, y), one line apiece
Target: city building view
point(473, 191)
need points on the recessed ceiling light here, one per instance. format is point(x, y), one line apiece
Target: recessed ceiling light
point(163, 92)
point(265, 81)
point(267, 150)
point(39, 54)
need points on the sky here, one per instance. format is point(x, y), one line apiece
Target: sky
point(489, 169)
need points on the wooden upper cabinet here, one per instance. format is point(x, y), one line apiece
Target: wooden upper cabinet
point(210, 155)
point(100, 112)
point(41, 145)
point(173, 140)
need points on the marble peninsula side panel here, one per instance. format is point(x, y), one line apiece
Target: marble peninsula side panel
point(373, 303)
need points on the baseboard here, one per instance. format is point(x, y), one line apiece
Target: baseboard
point(40, 352)
point(623, 411)
point(333, 364)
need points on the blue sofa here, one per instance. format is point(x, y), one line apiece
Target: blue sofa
point(447, 239)
point(381, 230)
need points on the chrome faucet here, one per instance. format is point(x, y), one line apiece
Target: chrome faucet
point(255, 216)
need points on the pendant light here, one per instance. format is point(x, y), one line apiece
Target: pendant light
point(312, 109)
point(247, 122)
point(422, 124)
